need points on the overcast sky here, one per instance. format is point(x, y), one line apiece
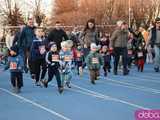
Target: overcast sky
point(27, 6)
point(46, 5)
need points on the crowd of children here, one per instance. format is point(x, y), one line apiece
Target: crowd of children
point(46, 58)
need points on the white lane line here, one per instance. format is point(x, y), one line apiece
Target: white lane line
point(111, 98)
point(130, 87)
point(141, 78)
point(85, 93)
point(133, 86)
point(153, 78)
point(136, 86)
point(102, 96)
point(36, 104)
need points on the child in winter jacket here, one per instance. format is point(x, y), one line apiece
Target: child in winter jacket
point(37, 58)
point(79, 59)
point(16, 65)
point(107, 59)
point(94, 62)
point(66, 58)
point(140, 58)
point(52, 59)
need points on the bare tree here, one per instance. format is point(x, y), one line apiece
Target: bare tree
point(106, 11)
point(64, 11)
point(38, 14)
point(11, 13)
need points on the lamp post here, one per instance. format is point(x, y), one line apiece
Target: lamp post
point(129, 10)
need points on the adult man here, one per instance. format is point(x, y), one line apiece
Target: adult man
point(25, 41)
point(154, 40)
point(118, 43)
point(57, 35)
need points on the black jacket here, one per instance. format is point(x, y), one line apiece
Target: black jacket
point(57, 36)
point(50, 60)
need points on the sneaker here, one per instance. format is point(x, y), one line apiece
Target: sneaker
point(60, 90)
point(115, 72)
point(138, 68)
point(68, 84)
point(105, 74)
point(156, 69)
point(80, 71)
point(33, 76)
point(98, 77)
point(141, 70)
point(16, 90)
point(26, 70)
point(126, 72)
point(45, 83)
point(93, 82)
point(37, 83)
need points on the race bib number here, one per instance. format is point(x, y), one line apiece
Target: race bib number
point(68, 58)
point(130, 52)
point(140, 54)
point(55, 58)
point(13, 65)
point(95, 60)
point(42, 49)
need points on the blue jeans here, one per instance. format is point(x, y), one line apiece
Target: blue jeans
point(157, 56)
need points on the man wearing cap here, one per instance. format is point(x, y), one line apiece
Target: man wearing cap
point(118, 43)
point(154, 40)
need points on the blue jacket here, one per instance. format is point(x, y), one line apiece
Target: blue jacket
point(38, 50)
point(15, 64)
point(65, 61)
point(26, 37)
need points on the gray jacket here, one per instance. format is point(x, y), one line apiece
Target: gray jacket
point(119, 38)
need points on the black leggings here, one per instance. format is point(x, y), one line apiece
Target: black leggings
point(54, 72)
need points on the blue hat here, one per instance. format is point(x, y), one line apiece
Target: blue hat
point(14, 48)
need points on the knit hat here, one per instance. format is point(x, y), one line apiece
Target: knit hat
point(69, 43)
point(93, 46)
point(64, 44)
point(51, 44)
point(14, 48)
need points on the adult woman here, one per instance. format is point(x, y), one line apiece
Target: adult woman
point(89, 35)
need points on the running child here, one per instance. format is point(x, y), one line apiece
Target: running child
point(37, 57)
point(94, 62)
point(66, 58)
point(52, 59)
point(16, 65)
